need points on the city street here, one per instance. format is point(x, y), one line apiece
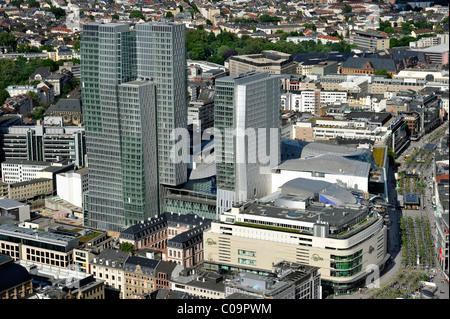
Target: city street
point(394, 236)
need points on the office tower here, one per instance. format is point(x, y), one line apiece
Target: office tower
point(137, 100)
point(134, 86)
point(247, 102)
point(161, 56)
point(119, 113)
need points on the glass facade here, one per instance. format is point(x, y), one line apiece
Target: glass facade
point(346, 266)
point(131, 80)
point(139, 169)
point(248, 103)
point(107, 60)
point(161, 56)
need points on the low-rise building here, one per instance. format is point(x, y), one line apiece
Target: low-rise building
point(370, 40)
point(29, 189)
point(272, 62)
point(144, 275)
point(291, 281)
point(37, 246)
point(166, 234)
point(16, 281)
point(109, 266)
point(200, 285)
point(72, 185)
point(13, 209)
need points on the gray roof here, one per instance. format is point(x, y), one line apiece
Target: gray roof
point(12, 274)
point(378, 64)
point(327, 163)
point(8, 203)
point(189, 237)
point(142, 230)
point(147, 265)
point(314, 149)
point(335, 216)
point(116, 258)
point(43, 71)
point(65, 105)
point(307, 188)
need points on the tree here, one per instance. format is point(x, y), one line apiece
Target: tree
point(115, 16)
point(127, 247)
point(58, 12)
point(76, 45)
point(267, 18)
point(346, 9)
point(382, 72)
point(407, 27)
point(3, 96)
point(169, 14)
point(137, 14)
point(229, 53)
point(7, 39)
point(33, 4)
point(16, 3)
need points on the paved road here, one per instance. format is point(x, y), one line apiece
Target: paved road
point(394, 239)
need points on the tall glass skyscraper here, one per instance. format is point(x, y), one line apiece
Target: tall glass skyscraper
point(133, 89)
point(247, 104)
point(161, 56)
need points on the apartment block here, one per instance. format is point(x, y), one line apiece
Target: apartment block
point(29, 189)
point(109, 266)
point(310, 101)
point(370, 40)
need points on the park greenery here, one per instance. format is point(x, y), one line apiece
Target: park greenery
point(417, 243)
point(400, 35)
point(202, 45)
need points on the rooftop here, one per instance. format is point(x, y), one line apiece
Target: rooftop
point(328, 163)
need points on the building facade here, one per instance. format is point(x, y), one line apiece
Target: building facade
point(341, 241)
point(272, 62)
point(370, 40)
point(161, 56)
point(45, 143)
point(245, 103)
point(134, 96)
point(37, 246)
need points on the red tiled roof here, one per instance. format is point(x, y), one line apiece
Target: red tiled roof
point(327, 37)
point(438, 178)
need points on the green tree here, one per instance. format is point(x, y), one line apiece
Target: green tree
point(16, 3)
point(33, 4)
point(382, 72)
point(264, 18)
point(127, 247)
point(7, 39)
point(3, 96)
point(58, 12)
point(407, 27)
point(136, 14)
point(169, 14)
point(346, 9)
point(115, 16)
